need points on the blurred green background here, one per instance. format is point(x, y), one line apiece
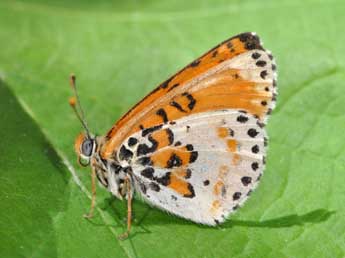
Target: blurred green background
point(120, 50)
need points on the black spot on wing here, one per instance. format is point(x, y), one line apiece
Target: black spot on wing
point(174, 161)
point(188, 173)
point(192, 101)
point(261, 63)
point(236, 196)
point(170, 135)
point(178, 143)
point(148, 172)
point(256, 55)
point(255, 148)
point(255, 166)
point(252, 132)
point(132, 141)
point(191, 193)
point(125, 154)
point(263, 74)
point(242, 119)
point(154, 187)
point(193, 156)
point(250, 41)
point(206, 182)
point(189, 147)
point(195, 63)
point(173, 87)
point(161, 112)
point(164, 180)
point(145, 161)
point(151, 130)
point(177, 106)
point(166, 83)
point(246, 180)
point(231, 132)
point(144, 149)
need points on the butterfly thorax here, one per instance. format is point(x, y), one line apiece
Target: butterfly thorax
point(110, 173)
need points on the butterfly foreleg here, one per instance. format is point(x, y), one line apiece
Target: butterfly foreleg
point(129, 192)
point(93, 194)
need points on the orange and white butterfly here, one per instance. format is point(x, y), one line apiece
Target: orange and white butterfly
point(196, 145)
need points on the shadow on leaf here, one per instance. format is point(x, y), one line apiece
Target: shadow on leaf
point(316, 216)
point(148, 216)
point(34, 181)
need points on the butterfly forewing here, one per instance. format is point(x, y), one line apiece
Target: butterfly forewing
point(237, 74)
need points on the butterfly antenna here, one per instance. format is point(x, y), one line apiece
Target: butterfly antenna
point(75, 104)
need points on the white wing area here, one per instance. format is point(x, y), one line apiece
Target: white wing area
point(229, 157)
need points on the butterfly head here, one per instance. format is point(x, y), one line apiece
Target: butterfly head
point(85, 143)
point(85, 148)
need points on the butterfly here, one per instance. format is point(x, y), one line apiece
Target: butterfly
point(196, 145)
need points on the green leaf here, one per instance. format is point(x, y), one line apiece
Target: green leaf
point(41, 205)
point(122, 50)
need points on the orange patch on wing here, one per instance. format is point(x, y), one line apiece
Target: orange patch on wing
point(222, 132)
point(223, 171)
point(236, 159)
point(232, 145)
point(221, 91)
point(180, 172)
point(161, 158)
point(228, 95)
point(162, 137)
point(180, 186)
point(215, 206)
point(217, 188)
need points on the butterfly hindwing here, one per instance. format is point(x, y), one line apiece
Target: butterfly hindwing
point(200, 167)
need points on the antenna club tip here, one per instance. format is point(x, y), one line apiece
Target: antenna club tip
point(72, 79)
point(72, 101)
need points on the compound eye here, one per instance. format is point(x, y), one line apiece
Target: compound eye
point(86, 147)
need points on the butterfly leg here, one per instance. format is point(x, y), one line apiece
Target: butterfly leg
point(93, 197)
point(129, 209)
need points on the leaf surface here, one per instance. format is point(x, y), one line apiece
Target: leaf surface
point(120, 51)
